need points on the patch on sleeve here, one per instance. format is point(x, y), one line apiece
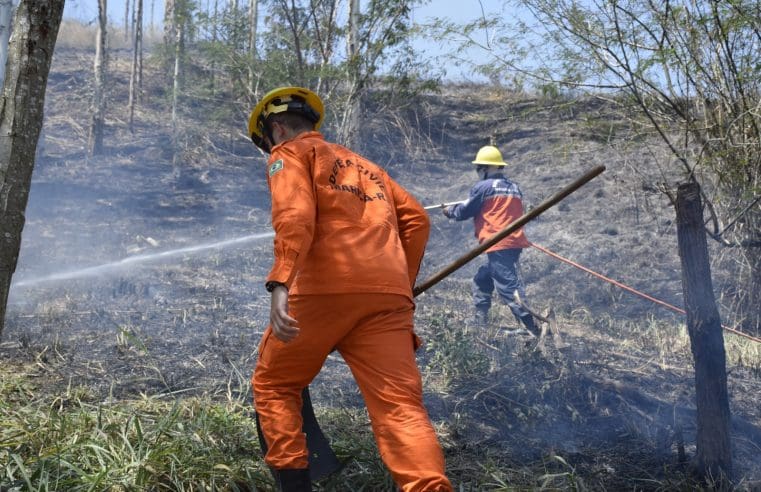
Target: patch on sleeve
point(276, 166)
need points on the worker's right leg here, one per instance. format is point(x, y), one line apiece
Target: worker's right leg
point(380, 352)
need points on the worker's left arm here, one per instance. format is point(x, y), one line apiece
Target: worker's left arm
point(414, 227)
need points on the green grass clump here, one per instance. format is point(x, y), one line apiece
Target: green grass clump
point(453, 352)
point(52, 443)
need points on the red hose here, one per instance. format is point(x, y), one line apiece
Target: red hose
point(631, 290)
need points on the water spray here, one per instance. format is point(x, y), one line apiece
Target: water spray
point(444, 205)
point(132, 260)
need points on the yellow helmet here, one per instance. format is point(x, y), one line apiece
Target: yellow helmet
point(284, 99)
point(489, 156)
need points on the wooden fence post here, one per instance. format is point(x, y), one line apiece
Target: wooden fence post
point(713, 458)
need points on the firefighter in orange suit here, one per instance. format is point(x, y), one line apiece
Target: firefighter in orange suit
point(348, 244)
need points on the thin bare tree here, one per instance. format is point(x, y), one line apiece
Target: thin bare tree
point(253, 20)
point(126, 19)
point(95, 140)
point(350, 125)
point(170, 20)
point(135, 79)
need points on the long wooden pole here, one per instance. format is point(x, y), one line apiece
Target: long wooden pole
point(512, 227)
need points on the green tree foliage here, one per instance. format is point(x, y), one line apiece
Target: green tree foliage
point(298, 43)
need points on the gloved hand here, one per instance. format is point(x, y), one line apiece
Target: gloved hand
point(447, 212)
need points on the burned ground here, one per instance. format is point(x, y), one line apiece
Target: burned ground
point(611, 407)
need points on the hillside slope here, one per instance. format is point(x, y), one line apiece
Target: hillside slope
point(140, 277)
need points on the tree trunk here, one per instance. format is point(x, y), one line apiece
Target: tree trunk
point(713, 457)
point(30, 51)
point(170, 27)
point(95, 140)
point(176, 88)
point(139, 35)
point(126, 20)
point(749, 305)
point(134, 78)
point(350, 123)
point(253, 20)
point(752, 306)
point(6, 15)
point(134, 19)
point(214, 40)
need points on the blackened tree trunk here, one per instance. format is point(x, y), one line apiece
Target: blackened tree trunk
point(714, 457)
point(95, 140)
point(30, 51)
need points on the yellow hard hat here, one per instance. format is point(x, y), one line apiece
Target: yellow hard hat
point(489, 156)
point(284, 99)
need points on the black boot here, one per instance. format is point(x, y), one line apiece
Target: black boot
point(293, 480)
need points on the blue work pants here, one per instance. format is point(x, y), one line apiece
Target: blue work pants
point(501, 272)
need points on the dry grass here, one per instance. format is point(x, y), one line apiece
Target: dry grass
point(74, 34)
point(168, 347)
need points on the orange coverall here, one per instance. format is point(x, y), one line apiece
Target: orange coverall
point(348, 245)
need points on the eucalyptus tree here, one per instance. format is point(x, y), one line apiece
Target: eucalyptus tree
point(35, 28)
